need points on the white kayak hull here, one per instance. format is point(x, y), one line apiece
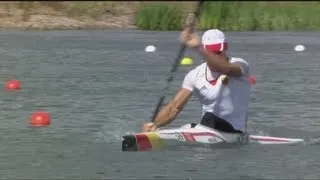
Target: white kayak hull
point(194, 134)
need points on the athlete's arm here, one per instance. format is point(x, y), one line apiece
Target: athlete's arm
point(221, 64)
point(173, 108)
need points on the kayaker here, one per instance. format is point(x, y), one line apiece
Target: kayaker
point(221, 84)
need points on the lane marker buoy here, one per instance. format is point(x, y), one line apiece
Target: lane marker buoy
point(12, 85)
point(186, 61)
point(299, 48)
point(39, 119)
point(150, 48)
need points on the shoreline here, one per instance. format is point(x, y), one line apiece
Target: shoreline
point(49, 22)
point(121, 15)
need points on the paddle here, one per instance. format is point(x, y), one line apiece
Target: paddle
point(177, 60)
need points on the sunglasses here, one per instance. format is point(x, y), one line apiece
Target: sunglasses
point(216, 52)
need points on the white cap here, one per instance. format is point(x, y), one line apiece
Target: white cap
point(214, 40)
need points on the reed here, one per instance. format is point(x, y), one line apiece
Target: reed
point(169, 15)
point(159, 17)
point(235, 16)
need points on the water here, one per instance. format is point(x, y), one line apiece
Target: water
point(100, 85)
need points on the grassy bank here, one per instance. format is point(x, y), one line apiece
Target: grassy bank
point(234, 16)
point(157, 15)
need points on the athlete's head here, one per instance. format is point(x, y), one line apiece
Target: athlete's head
point(214, 40)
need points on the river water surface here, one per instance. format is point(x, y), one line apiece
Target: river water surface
point(100, 85)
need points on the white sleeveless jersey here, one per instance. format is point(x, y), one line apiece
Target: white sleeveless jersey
point(230, 101)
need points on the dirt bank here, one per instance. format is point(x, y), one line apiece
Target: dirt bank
point(48, 15)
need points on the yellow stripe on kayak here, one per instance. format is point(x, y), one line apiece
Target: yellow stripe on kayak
point(155, 140)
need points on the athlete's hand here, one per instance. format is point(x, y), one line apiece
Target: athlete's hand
point(190, 39)
point(225, 79)
point(149, 127)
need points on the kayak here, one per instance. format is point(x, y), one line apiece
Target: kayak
point(194, 134)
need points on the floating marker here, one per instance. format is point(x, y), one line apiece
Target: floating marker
point(12, 85)
point(299, 48)
point(186, 61)
point(252, 80)
point(150, 48)
point(40, 118)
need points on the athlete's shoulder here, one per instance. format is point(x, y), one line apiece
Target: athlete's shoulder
point(245, 67)
point(237, 59)
point(199, 69)
point(191, 77)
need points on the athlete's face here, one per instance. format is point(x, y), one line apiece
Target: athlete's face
point(221, 53)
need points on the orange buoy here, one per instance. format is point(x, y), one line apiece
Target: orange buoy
point(40, 118)
point(252, 80)
point(13, 85)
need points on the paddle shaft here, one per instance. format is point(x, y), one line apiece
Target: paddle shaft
point(176, 61)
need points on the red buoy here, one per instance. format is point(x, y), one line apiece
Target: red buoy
point(13, 85)
point(252, 80)
point(40, 118)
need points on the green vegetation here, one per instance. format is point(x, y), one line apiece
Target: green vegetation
point(235, 16)
point(159, 17)
point(166, 15)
